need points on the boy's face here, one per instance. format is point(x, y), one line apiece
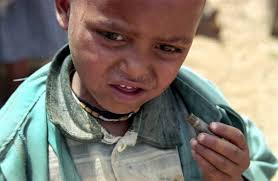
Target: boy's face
point(127, 52)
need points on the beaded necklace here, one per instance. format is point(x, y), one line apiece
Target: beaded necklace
point(99, 114)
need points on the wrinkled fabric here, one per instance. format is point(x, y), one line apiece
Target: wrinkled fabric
point(123, 160)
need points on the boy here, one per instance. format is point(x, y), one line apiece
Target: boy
point(112, 104)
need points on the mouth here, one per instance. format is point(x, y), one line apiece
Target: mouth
point(127, 90)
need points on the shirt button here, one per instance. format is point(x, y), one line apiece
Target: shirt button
point(121, 147)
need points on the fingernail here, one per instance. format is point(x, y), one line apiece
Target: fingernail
point(213, 125)
point(193, 142)
point(201, 137)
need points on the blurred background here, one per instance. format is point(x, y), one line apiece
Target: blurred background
point(29, 35)
point(236, 47)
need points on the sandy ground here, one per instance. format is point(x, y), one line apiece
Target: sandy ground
point(244, 64)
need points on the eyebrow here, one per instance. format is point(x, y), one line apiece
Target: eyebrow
point(115, 25)
point(176, 39)
point(119, 26)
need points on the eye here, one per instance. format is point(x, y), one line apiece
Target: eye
point(168, 48)
point(111, 35)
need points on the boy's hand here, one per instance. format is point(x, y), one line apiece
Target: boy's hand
point(221, 159)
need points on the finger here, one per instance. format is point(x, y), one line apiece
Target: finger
point(223, 147)
point(229, 133)
point(218, 161)
point(208, 170)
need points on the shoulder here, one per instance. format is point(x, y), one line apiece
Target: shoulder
point(189, 80)
point(196, 90)
point(21, 105)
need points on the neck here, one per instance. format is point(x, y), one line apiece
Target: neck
point(81, 92)
point(116, 128)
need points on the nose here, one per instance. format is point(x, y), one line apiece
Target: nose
point(138, 67)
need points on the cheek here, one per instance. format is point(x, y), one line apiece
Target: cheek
point(91, 69)
point(167, 75)
point(93, 65)
point(87, 53)
point(91, 50)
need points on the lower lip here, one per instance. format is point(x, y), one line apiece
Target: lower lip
point(125, 95)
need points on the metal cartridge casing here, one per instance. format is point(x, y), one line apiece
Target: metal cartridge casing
point(198, 124)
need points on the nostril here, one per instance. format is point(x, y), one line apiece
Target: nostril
point(135, 75)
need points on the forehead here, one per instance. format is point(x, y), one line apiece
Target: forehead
point(124, 8)
point(149, 4)
point(162, 16)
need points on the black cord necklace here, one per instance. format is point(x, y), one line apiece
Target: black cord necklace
point(99, 114)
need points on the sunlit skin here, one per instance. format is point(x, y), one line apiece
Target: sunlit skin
point(127, 52)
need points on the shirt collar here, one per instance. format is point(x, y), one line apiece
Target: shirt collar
point(62, 110)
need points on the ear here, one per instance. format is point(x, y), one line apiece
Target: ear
point(63, 12)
